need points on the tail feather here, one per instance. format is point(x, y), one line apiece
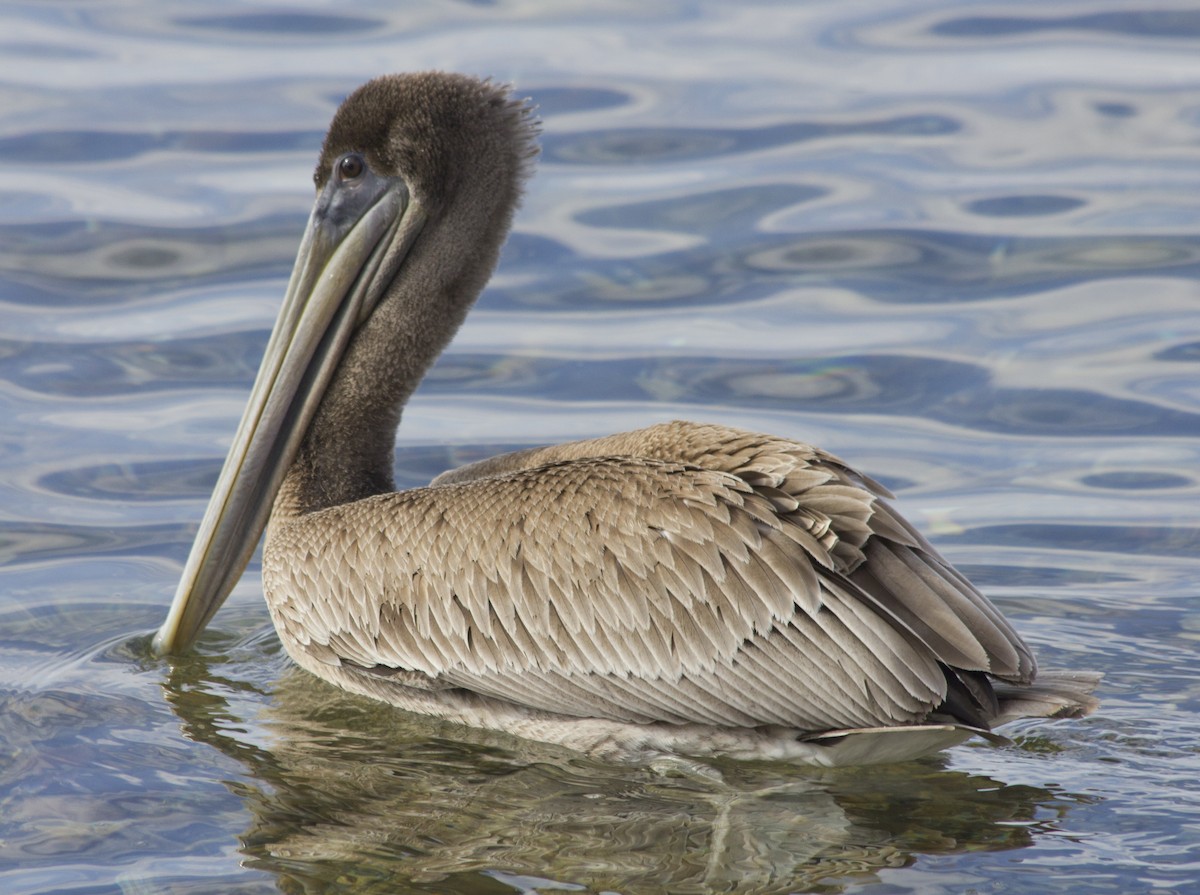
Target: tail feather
point(1055, 694)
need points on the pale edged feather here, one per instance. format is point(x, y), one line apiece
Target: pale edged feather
point(689, 585)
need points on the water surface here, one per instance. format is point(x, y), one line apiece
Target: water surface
point(954, 242)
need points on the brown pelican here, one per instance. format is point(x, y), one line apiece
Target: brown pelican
point(684, 589)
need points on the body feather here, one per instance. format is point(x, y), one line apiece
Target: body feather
point(681, 573)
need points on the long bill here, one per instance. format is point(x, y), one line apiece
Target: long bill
point(344, 266)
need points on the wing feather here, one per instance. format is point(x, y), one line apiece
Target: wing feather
point(681, 573)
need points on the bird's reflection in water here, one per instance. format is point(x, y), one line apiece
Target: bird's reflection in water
point(348, 794)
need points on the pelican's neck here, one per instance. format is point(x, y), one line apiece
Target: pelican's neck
point(463, 149)
point(347, 453)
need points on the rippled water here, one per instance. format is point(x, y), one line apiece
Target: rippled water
point(956, 243)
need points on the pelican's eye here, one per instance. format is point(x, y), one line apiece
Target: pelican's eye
point(351, 166)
